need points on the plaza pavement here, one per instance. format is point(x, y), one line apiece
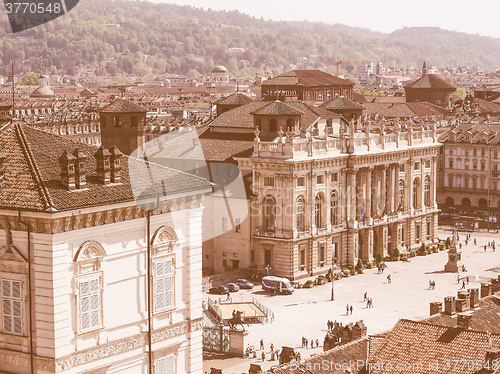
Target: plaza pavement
point(306, 311)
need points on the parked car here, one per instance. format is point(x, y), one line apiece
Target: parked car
point(232, 287)
point(244, 284)
point(219, 290)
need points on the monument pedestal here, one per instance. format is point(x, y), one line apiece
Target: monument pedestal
point(237, 342)
point(454, 264)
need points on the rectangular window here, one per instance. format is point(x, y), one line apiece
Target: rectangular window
point(417, 232)
point(269, 181)
point(496, 154)
point(165, 365)
point(12, 307)
point(474, 165)
point(116, 121)
point(427, 164)
point(224, 263)
point(320, 179)
point(235, 255)
point(224, 254)
point(302, 250)
point(164, 284)
point(401, 168)
point(335, 177)
point(237, 225)
point(441, 164)
point(483, 165)
point(90, 304)
point(417, 165)
point(451, 164)
point(224, 224)
point(428, 230)
point(483, 152)
point(321, 254)
point(301, 182)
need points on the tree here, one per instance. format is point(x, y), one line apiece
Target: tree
point(30, 79)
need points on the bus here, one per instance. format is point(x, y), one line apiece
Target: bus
point(277, 285)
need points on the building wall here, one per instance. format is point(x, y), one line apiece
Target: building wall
point(118, 344)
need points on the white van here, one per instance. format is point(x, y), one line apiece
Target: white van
point(277, 285)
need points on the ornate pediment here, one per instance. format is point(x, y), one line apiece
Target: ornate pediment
point(163, 240)
point(88, 257)
point(12, 255)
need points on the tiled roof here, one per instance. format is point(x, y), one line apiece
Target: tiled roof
point(306, 78)
point(431, 81)
point(393, 110)
point(485, 318)
point(341, 103)
point(32, 174)
point(235, 99)
point(424, 343)
point(277, 108)
point(241, 117)
point(123, 106)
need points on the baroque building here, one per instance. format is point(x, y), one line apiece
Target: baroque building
point(469, 174)
point(76, 251)
point(321, 192)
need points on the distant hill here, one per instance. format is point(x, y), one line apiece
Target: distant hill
point(141, 37)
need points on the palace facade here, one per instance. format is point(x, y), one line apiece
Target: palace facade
point(323, 193)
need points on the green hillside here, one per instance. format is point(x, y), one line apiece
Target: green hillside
point(169, 39)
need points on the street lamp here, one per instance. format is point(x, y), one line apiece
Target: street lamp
point(333, 281)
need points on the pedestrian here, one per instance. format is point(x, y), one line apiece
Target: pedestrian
point(368, 303)
point(312, 343)
point(458, 279)
point(263, 355)
point(306, 342)
point(475, 241)
point(430, 285)
point(389, 278)
point(347, 309)
point(433, 284)
point(467, 279)
point(351, 309)
point(485, 248)
point(317, 343)
point(261, 344)
point(227, 296)
point(460, 245)
point(272, 347)
point(463, 285)
point(298, 356)
point(365, 296)
point(277, 354)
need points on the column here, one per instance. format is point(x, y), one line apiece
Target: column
point(383, 198)
point(368, 204)
point(392, 187)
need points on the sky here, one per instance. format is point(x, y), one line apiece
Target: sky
point(473, 17)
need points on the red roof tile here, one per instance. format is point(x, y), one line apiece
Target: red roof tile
point(432, 81)
point(123, 106)
point(306, 78)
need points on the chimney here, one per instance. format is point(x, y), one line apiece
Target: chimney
point(492, 355)
point(81, 173)
point(67, 163)
point(464, 320)
point(116, 165)
point(450, 305)
point(495, 283)
point(2, 170)
point(463, 301)
point(103, 165)
point(485, 289)
point(436, 308)
point(474, 297)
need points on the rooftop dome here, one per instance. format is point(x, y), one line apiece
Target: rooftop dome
point(219, 69)
point(43, 92)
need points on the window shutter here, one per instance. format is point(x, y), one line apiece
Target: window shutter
point(90, 304)
point(12, 308)
point(161, 366)
point(169, 284)
point(170, 364)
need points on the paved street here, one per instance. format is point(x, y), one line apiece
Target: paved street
point(306, 312)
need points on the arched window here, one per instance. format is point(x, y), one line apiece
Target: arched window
point(427, 191)
point(466, 201)
point(318, 211)
point(482, 203)
point(300, 208)
point(334, 208)
point(269, 214)
point(401, 195)
point(416, 193)
point(450, 201)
